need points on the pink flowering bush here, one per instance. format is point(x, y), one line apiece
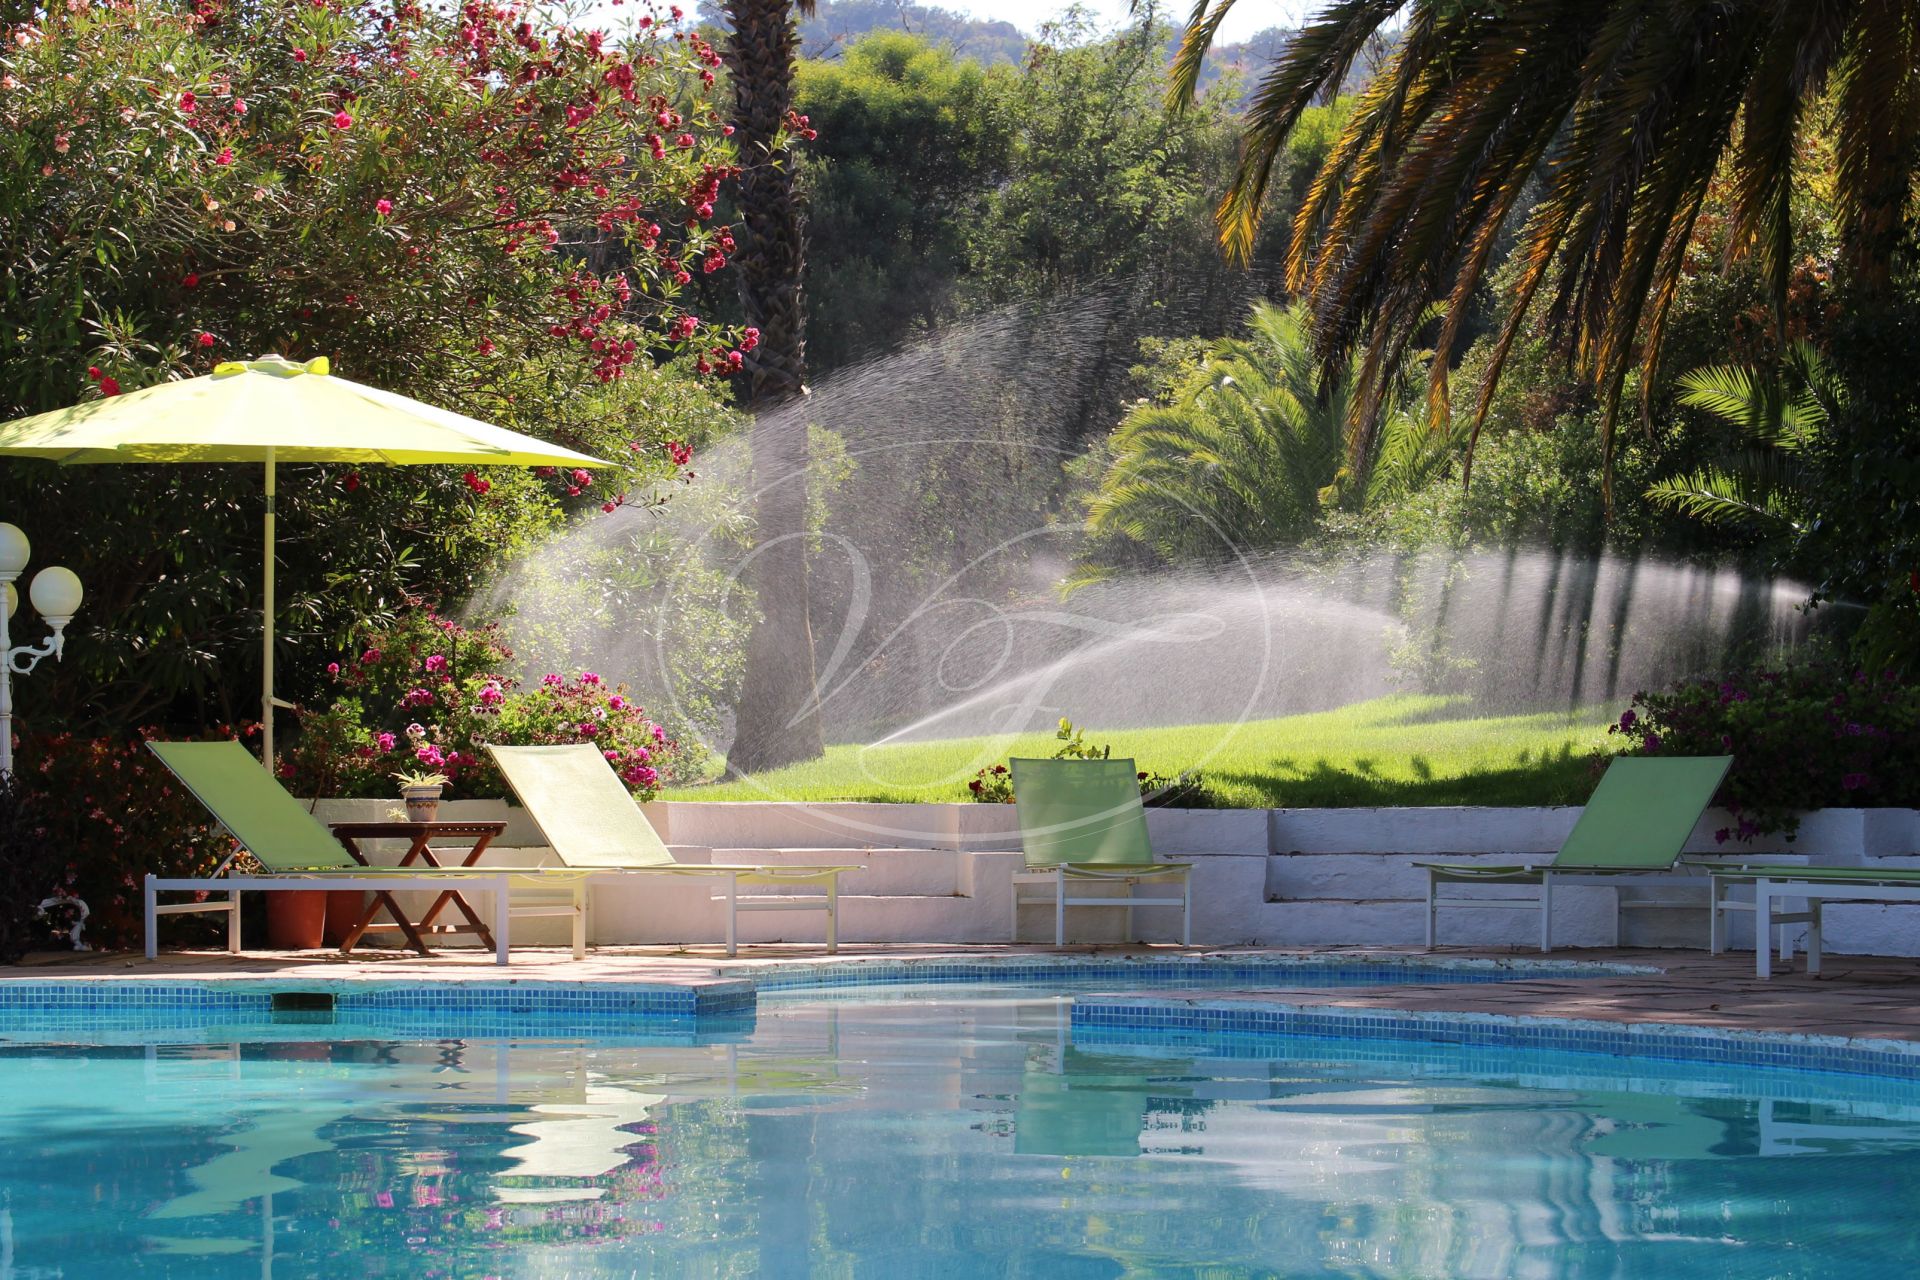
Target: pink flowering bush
point(429, 693)
point(1804, 738)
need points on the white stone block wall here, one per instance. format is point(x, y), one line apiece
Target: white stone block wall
point(1279, 877)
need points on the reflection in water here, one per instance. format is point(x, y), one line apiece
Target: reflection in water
point(962, 1134)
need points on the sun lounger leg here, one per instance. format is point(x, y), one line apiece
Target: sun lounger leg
point(1186, 910)
point(1059, 908)
point(233, 922)
point(579, 920)
point(502, 920)
point(1716, 892)
point(1814, 907)
point(733, 914)
point(153, 920)
point(1763, 929)
point(1546, 912)
point(1433, 909)
point(833, 914)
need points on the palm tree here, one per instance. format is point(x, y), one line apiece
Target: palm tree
point(1763, 484)
point(1618, 113)
point(777, 720)
point(1251, 456)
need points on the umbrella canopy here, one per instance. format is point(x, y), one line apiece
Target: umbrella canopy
point(273, 410)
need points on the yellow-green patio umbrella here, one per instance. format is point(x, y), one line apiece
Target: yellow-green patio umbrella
point(272, 410)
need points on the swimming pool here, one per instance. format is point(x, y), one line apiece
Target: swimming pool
point(939, 1130)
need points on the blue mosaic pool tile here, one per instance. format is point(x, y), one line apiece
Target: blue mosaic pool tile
point(1224, 1027)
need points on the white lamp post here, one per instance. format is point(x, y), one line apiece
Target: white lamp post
point(56, 595)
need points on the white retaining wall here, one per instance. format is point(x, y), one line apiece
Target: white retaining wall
point(1275, 877)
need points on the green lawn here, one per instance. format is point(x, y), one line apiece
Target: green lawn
point(1403, 750)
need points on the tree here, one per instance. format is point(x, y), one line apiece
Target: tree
point(913, 142)
point(777, 720)
point(1619, 114)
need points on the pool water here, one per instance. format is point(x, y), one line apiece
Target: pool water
point(942, 1132)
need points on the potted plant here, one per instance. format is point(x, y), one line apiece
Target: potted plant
point(421, 791)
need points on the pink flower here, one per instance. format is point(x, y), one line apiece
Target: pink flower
point(417, 698)
point(225, 156)
point(333, 668)
point(341, 120)
point(436, 663)
point(588, 677)
point(430, 755)
point(383, 207)
point(659, 734)
point(371, 656)
point(61, 143)
point(299, 55)
point(191, 280)
point(109, 386)
point(187, 103)
point(386, 740)
point(616, 703)
point(206, 339)
point(490, 695)
point(239, 106)
point(551, 681)
point(583, 478)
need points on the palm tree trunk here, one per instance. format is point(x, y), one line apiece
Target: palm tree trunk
point(777, 721)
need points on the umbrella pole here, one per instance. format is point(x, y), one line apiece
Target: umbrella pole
point(266, 632)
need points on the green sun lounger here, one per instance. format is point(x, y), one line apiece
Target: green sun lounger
point(297, 851)
point(1082, 823)
point(593, 824)
point(1631, 832)
point(1814, 886)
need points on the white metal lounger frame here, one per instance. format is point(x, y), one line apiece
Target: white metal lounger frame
point(233, 886)
point(1781, 884)
point(1542, 901)
point(1063, 875)
point(496, 880)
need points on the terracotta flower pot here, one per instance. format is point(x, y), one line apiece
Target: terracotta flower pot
point(296, 921)
point(343, 912)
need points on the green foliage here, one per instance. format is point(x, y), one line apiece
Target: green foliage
point(912, 141)
point(1776, 420)
point(1805, 738)
point(1863, 538)
point(417, 194)
point(1246, 450)
point(1101, 183)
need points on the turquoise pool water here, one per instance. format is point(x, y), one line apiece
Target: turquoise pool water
point(955, 1131)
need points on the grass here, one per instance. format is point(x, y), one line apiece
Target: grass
point(1402, 750)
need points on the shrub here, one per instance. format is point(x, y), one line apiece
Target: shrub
point(430, 693)
point(994, 784)
point(1804, 738)
point(104, 813)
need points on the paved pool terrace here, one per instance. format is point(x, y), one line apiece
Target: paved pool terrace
point(1859, 1005)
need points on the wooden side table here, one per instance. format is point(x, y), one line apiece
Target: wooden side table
point(475, 836)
